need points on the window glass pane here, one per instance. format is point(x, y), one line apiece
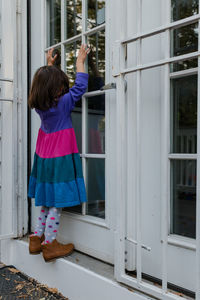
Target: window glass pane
point(96, 13)
point(96, 61)
point(96, 124)
point(71, 52)
point(96, 187)
point(73, 17)
point(184, 65)
point(54, 21)
point(74, 209)
point(184, 40)
point(184, 114)
point(183, 197)
point(183, 8)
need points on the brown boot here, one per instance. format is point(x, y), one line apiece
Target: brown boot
point(55, 250)
point(35, 244)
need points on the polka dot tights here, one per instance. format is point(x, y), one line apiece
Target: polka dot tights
point(48, 223)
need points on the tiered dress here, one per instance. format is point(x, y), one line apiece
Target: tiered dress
point(56, 178)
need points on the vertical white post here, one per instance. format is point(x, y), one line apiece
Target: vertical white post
point(138, 149)
point(84, 103)
point(165, 145)
point(197, 181)
point(121, 144)
point(63, 31)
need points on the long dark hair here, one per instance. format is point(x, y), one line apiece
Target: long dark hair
point(49, 83)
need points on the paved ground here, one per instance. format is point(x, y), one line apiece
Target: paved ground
point(16, 285)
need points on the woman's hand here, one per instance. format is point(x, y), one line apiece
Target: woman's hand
point(50, 58)
point(82, 54)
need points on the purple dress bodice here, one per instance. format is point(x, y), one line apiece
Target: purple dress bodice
point(59, 117)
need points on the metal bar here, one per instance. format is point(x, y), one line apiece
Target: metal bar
point(135, 243)
point(94, 30)
point(93, 155)
point(84, 141)
point(65, 42)
point(94, 93)
point(197, 294)
point(84, 110)
point(63, 22)
point(174, 25)
point(182, 156)
point(138, 150)
point(165, 148)
point(160, 63)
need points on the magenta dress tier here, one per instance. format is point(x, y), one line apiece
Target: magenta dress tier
point(56, 178)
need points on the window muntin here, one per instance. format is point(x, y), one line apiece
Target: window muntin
point(88, 116)
point(183, 122)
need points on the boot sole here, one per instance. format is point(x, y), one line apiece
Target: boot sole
point(53, 259)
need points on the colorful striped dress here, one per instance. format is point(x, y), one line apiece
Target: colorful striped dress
point(56, 178)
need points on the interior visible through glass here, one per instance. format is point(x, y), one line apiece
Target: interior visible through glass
point(96, 187)
point(54, 22)
point(183, 197)
point(183, 8)
point(96, 13)
point(96, 124)
point(184, 40)
point(73, 15)
point(96, 61)
point(184, 114)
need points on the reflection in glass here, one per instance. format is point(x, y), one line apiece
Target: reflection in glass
point(73, 15)
point(96, 61)
point(74, 209)
point(77, 123)
point(183, 8)
point(96, 13)
point(96, 124)
point(184, 114)
point(183, 65)
point(183, 198)
point(96, 187)
point(54, 22)
point(71, 52)
point(184, 40)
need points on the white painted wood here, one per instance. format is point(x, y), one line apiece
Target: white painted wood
point(72, 280)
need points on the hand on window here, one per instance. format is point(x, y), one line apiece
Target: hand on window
point(50, 58)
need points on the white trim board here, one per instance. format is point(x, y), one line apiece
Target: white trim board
point(72, 280)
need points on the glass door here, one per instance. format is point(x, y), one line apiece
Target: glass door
point(162, 93)
point(69, 23)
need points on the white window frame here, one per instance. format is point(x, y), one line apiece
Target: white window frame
point(119, 72)
point(83, 36)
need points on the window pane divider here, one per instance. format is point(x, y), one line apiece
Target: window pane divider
point(159, 63)
point(183, 73)
point(93, 155)
point(94, 30)
point(183, 156)
point(94, 93)
point(174, 25)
